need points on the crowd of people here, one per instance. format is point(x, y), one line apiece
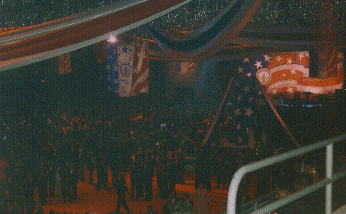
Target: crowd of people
point(51, 152)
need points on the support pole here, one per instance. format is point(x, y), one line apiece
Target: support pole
point(278, 115)
point(329, 175)
point(206, 138)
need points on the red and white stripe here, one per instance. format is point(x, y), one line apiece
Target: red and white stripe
point(140, 75)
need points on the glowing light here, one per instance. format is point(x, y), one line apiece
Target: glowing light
point(112, 39)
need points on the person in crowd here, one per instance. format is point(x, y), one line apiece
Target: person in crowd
point(303, 205)
point(150, 210)
point(39, 210)
point(162, 177)
point(228, 170)
point(42, 182)
point(65, 183)
point(102, 175)
point(203, 169)
point(180, 166)
point(263, 181)
point(122, 188)
point(3, 199)
point(73, 182)
point(242, 195)
point(218, 169)
point(186, 197)
point(58, 186)
point(90, 166)
point(114, 163)
point(134, 180)
point(201, 199)
point(182, 207)
point(171, 201)
point(139, 158)
point(172, 174)
point(52, 177)
point(29, 191)
point(149, 167)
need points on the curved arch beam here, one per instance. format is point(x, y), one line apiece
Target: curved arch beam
point(68, 34)
point(216, 35)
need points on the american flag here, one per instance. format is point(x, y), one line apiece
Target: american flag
point(284, 71)
point(245, 93)
point(140, 76)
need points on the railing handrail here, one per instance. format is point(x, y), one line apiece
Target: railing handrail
point(233, 189)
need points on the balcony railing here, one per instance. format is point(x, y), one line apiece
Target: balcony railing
point(327, 182)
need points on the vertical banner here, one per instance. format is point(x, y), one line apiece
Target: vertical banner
point(140, 74)
point(64, 62)
point(128, 68)
point(112, 79)
point(125, 61)
point(245, 93)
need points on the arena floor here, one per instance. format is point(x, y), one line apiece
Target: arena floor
point(104, 201)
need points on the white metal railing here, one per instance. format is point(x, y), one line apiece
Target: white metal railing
point(327, 182)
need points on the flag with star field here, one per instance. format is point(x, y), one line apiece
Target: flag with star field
point(286, 73)
point(277, 72)
point(245, 92)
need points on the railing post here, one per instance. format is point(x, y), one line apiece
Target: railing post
point(329, 174)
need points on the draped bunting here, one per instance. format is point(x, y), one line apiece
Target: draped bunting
point(211, 38)
point(71, 33)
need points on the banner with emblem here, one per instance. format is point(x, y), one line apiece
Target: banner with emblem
point(125, 60)
point(283, 71)
point(128, 68)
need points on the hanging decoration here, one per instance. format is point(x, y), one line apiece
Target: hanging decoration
point(212, 37)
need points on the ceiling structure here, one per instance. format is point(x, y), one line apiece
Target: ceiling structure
point(248, 28)
point(275, 26)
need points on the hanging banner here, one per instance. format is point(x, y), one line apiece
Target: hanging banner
point(125, 60)
point(140, 75)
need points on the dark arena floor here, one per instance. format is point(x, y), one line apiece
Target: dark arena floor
point(104, 201)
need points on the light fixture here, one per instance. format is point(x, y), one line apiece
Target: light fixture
point(112, 39)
